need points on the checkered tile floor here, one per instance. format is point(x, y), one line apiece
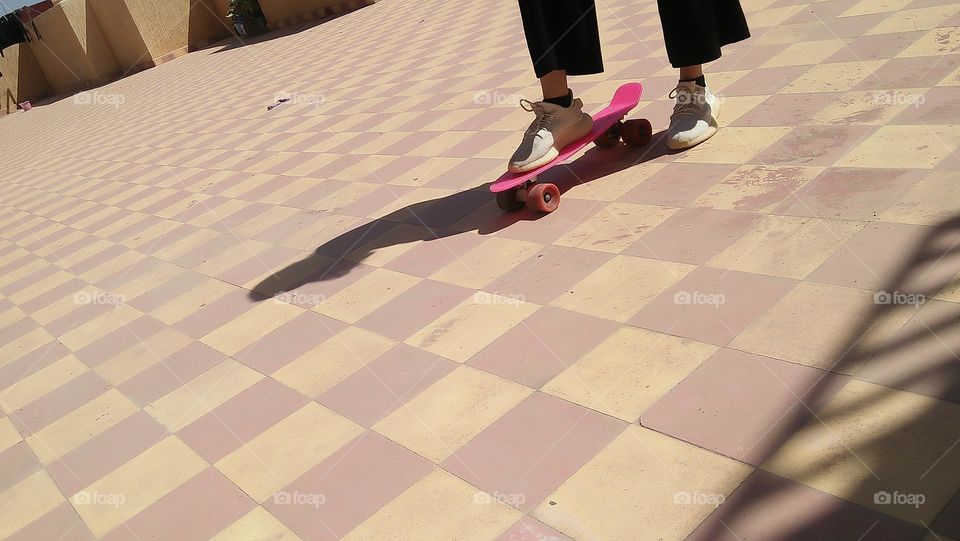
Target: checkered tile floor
point(218, 321)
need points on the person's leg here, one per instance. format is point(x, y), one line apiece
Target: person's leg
point(563, 39)
point(694, 31)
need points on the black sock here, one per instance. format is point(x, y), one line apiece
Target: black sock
point(562, 101)
point(701, 81)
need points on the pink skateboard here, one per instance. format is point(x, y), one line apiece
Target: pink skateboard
point(514, 190)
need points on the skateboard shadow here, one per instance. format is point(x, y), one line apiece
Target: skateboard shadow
point(463, 212)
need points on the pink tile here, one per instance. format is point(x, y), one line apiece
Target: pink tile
point(742, 405)
point(348, 487)
point(413, 309)
point(693, 235)
point(19, 462)
point(119, 340)
point(712, 305)
point(939, 106)
point(425, 258)
point(548, 274)
point(533, 448)
point(16, 369)
point(240, 419)
point(767, 506)
point(271, 258)
point(921, 357)
point(197, 509)
point(92, 262)
point(481, 170)
point(915, 72)
point(851, 193)
point(106, 452)
point(677, 184)
point(814, 145)
point(171, 372)
point(216, 314)
point(374, 391)
point(61, 524)
point(17, 329)
point(533, 226)
point(58, 402)
point(165, 292)
point(763, 81)
point(770, 185)
point(530, 529)
point(876, 47)
point(374, 201)
point(787, 109)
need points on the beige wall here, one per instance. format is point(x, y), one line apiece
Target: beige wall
point(277, 11)
point(22, 78)
point(74, 51)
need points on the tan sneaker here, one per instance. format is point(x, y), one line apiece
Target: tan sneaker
point(554, 128)
point(694, 117)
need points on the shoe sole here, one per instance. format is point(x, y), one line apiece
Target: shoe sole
point(707, 134)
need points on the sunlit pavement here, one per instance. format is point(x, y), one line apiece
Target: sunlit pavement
point(222, 321)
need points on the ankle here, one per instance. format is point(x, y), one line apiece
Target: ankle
point(563, 101)
point(701, 81)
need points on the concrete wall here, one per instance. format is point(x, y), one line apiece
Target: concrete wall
point(280, 13)
point(22, 79)
point(74, 52)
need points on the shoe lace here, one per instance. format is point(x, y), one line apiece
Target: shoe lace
point(686, 101)
point(543, 120)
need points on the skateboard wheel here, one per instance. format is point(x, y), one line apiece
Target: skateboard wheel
point(507, 200)
point(636, 133)
point(609, 138)
point(543, 197)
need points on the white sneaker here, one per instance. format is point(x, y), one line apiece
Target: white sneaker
point(694, 118)
point(553, 128)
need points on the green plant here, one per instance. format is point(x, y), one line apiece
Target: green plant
point(244, 9)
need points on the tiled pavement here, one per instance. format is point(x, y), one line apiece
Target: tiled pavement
point(687, 330)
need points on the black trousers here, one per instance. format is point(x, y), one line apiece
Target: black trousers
point(563, 34)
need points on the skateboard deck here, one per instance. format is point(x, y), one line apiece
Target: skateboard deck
point(624, 99)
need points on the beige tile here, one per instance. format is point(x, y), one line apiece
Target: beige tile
point(192, 300)
point(39, 288)
point(142, 355)
point(333, 360)
point(866, 7)
point(202, 394)
point(939, 41)
point(911, 20)
point(247, 328)
point(439, 506)
point(366, 295)
point(9, 436)
point(450, 412)
point(287, 450)
point(112, 266)
point(734, 145)
point(471, 325)
point(786, 246)
point(615, 227)
point(816, 324)
point(27, 501)
point(257, 525)
point(629, 371)
point(80, 425)
point(131, 488)
point(40, 383)
point(634, 488)
point(756, 187)
point(486, 262)
point(621, 287)
point(806, 52)
point(867, 107)
point(870, 439)
point(928, 202)
point(396, 241)
point(84, 335)
point(919, 147)
point(833, 77)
